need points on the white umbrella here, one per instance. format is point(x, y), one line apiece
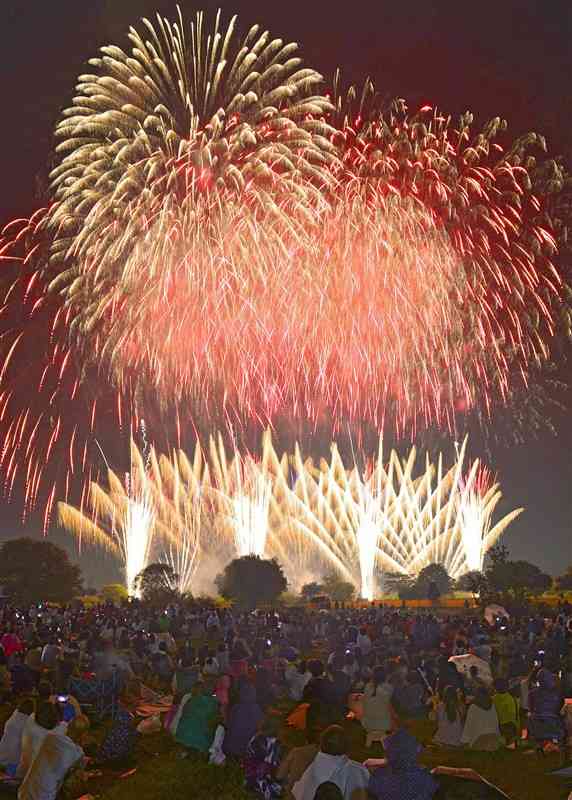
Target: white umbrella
point(464, 664)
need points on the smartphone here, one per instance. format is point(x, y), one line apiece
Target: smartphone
point(63, 698)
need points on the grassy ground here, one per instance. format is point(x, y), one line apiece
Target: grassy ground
point(161, 774)
point(157, 773)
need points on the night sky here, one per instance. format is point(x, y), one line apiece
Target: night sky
point(511, 58)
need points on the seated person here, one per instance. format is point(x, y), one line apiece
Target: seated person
point(211, 665)
point(332, 764)
point(402, 777)
point(23, 678)
point(409, 697)
point(450, 719)
point(57, 754)
point(244, 718)
point(296, 677)
point(69, 706)
point(328, 791)
point(11, 742)
point(198, 719)
point(481, 730)
point(508, 712)
point(119, 743)
point(297, 762)
point(186, 675)
point(261, 762)
point(47, 718)
point(376, 703)
point(473, 682)
point(223, 658)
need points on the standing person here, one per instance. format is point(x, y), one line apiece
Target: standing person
point(364, 642)
point(186, 675)
point(296, 677)
point(11, 644)
point(450, 719)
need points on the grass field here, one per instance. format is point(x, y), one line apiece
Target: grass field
point(160, 773)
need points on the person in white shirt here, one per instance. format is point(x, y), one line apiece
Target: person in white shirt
point(481, 730)
point(46, 719)
point(296, 677)
point(331, 764)
point(376, 703)
point(58, 753)
point(11, 742)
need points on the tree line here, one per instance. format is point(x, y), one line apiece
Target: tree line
point(33, 570)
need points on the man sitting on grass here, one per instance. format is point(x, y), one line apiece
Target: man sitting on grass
point(57, 755)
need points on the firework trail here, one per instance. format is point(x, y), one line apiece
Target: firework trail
point(121, 520)
point(387, 518)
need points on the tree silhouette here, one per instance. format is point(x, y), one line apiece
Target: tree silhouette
point(34, 571)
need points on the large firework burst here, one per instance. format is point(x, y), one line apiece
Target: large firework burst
point(498, 202)
point(222, 236)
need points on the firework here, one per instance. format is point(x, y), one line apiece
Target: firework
point(121, 520)
point(220, 236)
point(496, 204)
point(387, 519)
point(161, 140)
point(177, 496)
point(246, 495)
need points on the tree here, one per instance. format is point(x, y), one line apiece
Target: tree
point(114, 592)
point(337, 590)
point(564, 582)
point(517, 579)
point(310, 590)
point(252, 580)
point(471, 581)
point(37, 570)
point(402, 585)
point(155, 584)
point(475, 582)
point(433, 582)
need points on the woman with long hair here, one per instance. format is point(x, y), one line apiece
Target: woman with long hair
point(377, 703)
point(450, 719)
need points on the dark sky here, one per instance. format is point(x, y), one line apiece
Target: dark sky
point(511, 58)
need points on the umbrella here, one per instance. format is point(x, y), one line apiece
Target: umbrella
point(464, 664)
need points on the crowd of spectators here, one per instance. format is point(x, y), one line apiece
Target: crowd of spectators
point(225, 681)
